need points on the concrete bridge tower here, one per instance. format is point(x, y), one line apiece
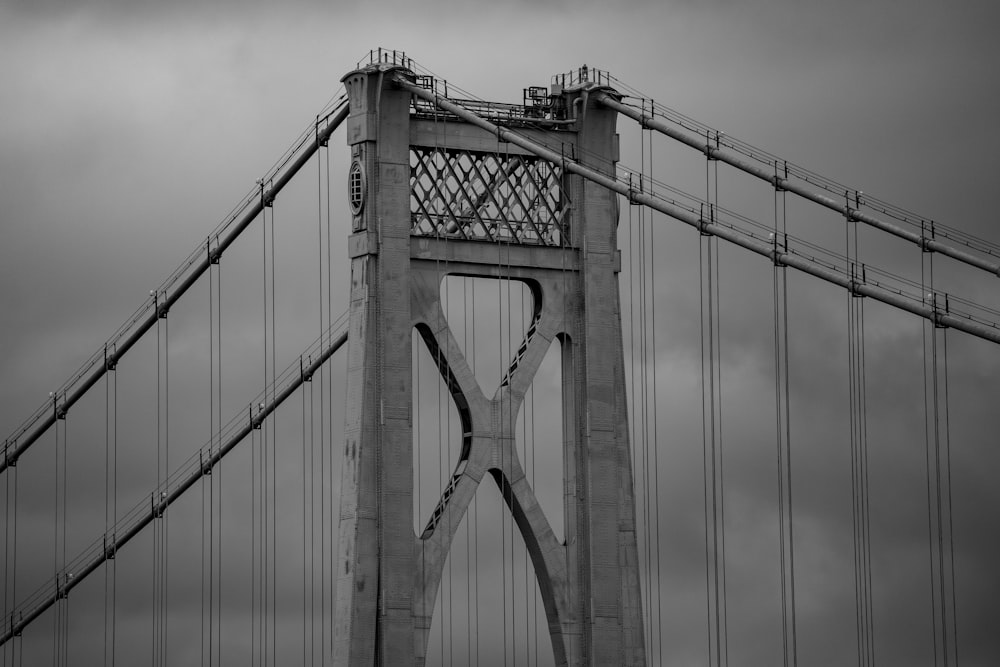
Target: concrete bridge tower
point(428, 190)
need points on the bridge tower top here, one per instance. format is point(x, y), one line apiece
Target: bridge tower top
point(468, 184)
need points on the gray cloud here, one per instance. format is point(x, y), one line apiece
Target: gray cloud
point(131, 128)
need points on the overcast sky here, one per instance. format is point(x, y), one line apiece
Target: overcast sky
point(128, 130)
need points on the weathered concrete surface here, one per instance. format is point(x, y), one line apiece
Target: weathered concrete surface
point(374, 593)
point(388, 577)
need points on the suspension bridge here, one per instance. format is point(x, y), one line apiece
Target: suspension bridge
point(453, 383)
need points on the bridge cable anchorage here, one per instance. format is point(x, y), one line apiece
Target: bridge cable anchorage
point(986, 332)
point(39, 423)
point(717, 153)
point(74, 571)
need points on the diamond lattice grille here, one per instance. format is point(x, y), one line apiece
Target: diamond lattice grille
point(486, 196)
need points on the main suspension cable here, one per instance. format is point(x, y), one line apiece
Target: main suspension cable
point(173, 289)
point(131, 524)
point(987, 264)
point(989, 331)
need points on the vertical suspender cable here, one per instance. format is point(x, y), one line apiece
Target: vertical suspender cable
point(712, 431)
point(114, 513)
point(166, 472)
point(706, 410)
point(502, 522)
point(636, 279)
point(440, 155)
point(860, 624)
point(470, 572)
point(205, 625)
point(55, 541)
point(415, 345)
point(325, 390)
point(859, 453)
point(162, 461)
point(306, 625)
point(326, 479)
point(110, 505)
point(861, 376)
point(651, 490)
point(938, 503)
point(308, 472)
point(446, 472)
point(708, 437)
point(109, 520)
point(528, 471)
point(656, 412)
point(637, 257)
point(930, 434)
point(319, 477)
point(312, 520)
point(449, 467)
point(218, 429)
point(213, 408)
point(10, 562)
point(783, 433)
point(468, 531)
point(158, 525)
point(475, 500)
point(254, 440)
point(642, 399)
point(215, 489)
point(939, 494)
point(534, 597)
point(62, 469)
point(788, 460)
point(272, 515)
point(512, 453)
point(256, 474)
point(160, 563)
point(265, 443)
point(444, 465)
point(508, 532)
point(10, 557)
point(154, 657)
point(508, 482)
point(722, 609)
point(951, 524)
point(9, 600)
point(633, 436)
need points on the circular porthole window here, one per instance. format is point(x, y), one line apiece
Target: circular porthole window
point(356, 188)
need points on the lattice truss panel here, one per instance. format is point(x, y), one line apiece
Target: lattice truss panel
point(486, 196)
